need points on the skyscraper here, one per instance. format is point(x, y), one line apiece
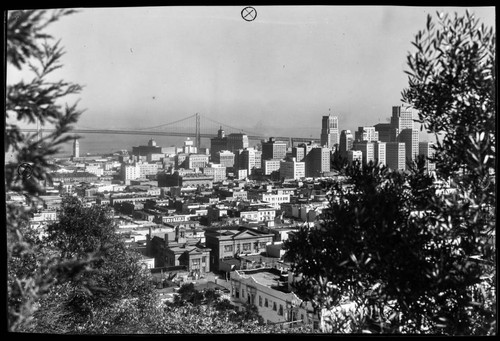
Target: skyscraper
point(396, 155)
point(380, 152)
point(248, 158)
point(329, 131)
point(402, 118)
point(345, 144)
point(292, 169)
point(410, 138)
point(237, 141)
point(273, 149)
point(76, 149)
point(385, 133)
point(366, 134)
point(317, 162)
point(218, 143)
point(367, 148)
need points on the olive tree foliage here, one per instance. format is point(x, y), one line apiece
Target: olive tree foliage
point(413, 255)
point(31, 272)
point(452, 85)
point(115, 274)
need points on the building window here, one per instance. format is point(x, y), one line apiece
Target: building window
point(266, 303)
point(228, 248)
point(260, 301)
point(242, 293)
point(274, 306)
point(195, 263)
point(246, 246)
point(280, 311)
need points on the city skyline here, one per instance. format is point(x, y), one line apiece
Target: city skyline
point(284, 70)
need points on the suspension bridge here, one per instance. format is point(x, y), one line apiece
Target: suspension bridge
point(188, 127)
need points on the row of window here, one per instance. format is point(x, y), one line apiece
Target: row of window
point(267, 303)
point(244, 247)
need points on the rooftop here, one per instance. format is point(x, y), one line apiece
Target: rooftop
point(268, 277)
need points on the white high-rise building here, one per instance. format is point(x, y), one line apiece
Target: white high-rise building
point(76, 149)
point(130, 172)
point(402, 118)
point(330, 131)
point(366, 134)
point(380, 152)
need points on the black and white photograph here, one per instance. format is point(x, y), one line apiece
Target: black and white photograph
point(250, 169)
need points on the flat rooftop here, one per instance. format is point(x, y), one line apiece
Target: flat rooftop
point(268, 277)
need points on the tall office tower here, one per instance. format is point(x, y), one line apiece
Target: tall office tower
point(366, 134)
point(410, 138)
point(380, 152)
point(76, 148)
point(273, 149)
point(301, 151)
point(237, 141)
point(354, 155)
point(346, 140)
point(396, 155)
point(218, 143)
point(426, 149)
point(317, 162)
point(367, 148)
point(402, 118)
point(258, 158)
point(292, 169)
point(247, 160)
point(225, 158)
point(385, 132)
point(329, 131)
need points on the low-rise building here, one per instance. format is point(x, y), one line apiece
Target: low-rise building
point(229, 243)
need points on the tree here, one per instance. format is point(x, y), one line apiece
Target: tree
point(452, 84)
point(31, 272)
point(412, 257)
point(115, 273)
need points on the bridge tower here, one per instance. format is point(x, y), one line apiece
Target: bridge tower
point(198, 137)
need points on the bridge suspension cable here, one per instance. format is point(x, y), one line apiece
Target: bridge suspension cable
point(228, 126)
point(167, 124)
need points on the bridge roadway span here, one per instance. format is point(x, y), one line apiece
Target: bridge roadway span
point(163, 133)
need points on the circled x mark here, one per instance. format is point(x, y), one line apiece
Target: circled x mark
point(25, 170)
point(249, 13)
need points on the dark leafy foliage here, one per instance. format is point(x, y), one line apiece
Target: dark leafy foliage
point(31, 269)
point(415, 253)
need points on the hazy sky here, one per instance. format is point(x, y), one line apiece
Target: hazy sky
point(145, 66)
